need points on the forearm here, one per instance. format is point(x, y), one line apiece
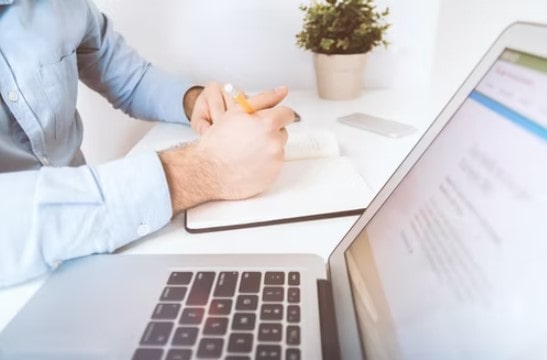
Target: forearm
point(191, 177)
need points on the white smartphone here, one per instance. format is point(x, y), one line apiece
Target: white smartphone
point(377, 125)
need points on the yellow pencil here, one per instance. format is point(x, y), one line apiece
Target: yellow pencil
point(239, 97)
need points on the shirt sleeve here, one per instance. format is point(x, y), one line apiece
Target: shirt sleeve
point(115, 70)
point(55, 214)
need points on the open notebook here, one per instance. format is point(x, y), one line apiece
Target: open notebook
point(315, 182)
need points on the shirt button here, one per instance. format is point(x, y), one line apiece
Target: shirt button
point(13, 96)
point(143, 229)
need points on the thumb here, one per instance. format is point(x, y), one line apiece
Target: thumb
point(268, 99)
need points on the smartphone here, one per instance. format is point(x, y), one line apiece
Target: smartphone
point(378, 125)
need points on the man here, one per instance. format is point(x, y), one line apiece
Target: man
point(52, 206)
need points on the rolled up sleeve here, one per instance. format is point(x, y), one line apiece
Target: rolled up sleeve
point(111, 67)
point(55, 214)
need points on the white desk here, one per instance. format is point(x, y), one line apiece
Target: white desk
point(375, 156)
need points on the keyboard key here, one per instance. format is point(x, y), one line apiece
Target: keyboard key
point(293, 335)
point(165, 311)
point(271, 312)
point(274, 278)
point(250, 282)
point(210, 348)
point(220, 307)
point(180, 278)
point(148, 354)
point(191, 316)
point(292, 354)
point(240, 342)
point(247, 302)
point(226, 284)
point(293, 313)
point(215, 326)
point(173, 293)
point(294, 278)
point(243, 321)
point(270, 332)
point(185, 336)
point(157, 333)
point(179, 354)
point(237, 357)
point(201, 288)
point(273, 293)
point(293, 295)
point(268, 352)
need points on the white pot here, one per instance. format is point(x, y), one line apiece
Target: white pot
point(339, 77)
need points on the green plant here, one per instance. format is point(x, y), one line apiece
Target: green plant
point(342, 27)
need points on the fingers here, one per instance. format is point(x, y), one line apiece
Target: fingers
point(202, 127)
point(209, 106)
point(214, 101)
point(284, 135)
point(201, 122)
point(278, 117)
point(268, 99)
point(217, 101)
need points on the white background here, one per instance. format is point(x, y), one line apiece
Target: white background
point(434, 45)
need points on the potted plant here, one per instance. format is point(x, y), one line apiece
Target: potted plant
point(340, 33)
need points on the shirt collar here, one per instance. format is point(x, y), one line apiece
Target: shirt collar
point(6, 2)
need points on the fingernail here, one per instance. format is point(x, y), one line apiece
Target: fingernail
point(280, 88)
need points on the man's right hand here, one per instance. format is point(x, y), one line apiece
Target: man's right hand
point(239, 156)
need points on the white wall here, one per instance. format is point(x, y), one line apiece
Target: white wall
point(466, 30)
point(249, 42)
point(252, 43)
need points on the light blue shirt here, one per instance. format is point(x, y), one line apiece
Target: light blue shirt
point(52, 206)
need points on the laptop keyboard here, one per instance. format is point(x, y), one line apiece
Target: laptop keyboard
point(229, 315)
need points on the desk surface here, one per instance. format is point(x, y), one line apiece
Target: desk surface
point(375, 156)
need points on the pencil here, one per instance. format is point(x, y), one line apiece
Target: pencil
point(239, 98)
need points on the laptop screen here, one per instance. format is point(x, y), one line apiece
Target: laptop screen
point(451, 262)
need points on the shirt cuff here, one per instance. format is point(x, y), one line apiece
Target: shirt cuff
point(138, 196)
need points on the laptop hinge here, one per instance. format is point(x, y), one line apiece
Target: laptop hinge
point(330, 347)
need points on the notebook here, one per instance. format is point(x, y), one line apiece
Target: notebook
point(316, 182)
point(447, 262)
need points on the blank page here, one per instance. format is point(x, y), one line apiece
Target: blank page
point(306, 189)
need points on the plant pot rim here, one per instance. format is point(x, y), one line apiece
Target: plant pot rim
point(317, 53)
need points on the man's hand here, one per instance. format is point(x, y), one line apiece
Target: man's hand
point(239, 156)
point(212, 102)
point(209, 105)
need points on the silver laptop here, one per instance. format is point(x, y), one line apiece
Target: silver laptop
point(448, 262)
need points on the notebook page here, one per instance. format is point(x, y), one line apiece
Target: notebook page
point(309, 144)
point(304, 188)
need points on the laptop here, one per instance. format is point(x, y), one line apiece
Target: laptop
point(447, 262)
